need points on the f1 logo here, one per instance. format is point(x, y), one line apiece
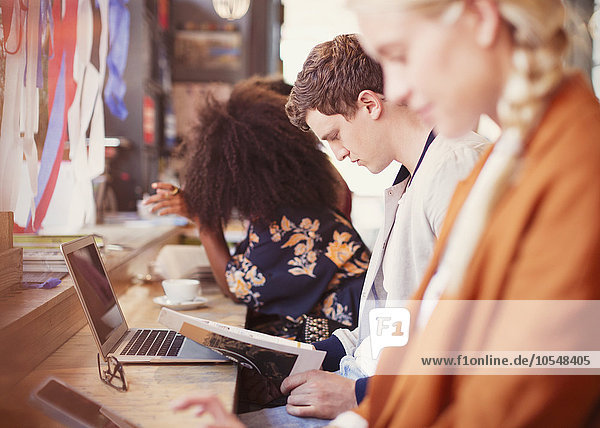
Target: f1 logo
point(388, 327)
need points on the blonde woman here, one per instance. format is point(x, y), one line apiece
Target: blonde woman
point(525, 224)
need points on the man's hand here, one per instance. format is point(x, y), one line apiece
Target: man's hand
point(318, 394)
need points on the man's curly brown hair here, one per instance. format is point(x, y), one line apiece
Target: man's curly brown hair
point(246, 155)
point(333, 75)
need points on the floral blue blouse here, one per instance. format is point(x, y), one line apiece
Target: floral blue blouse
point(305, 262)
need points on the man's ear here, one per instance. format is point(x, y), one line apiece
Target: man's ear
point(372, 102)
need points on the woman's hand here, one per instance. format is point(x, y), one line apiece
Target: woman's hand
point(168, 200)
point(211, 405)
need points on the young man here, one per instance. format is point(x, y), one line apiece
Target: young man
point(338, 95)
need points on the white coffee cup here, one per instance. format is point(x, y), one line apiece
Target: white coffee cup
point(181, 290)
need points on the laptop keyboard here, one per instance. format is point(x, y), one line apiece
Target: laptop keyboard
point(155, 343)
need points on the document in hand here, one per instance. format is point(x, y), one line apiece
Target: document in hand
point(273, 357)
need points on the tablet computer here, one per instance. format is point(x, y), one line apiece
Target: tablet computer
point(73, 409)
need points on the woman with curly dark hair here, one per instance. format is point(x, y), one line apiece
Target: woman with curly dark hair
point(301, 256)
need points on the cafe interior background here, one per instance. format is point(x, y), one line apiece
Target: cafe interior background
point(116, 83)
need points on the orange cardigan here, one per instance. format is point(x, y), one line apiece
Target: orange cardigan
point(542, 242)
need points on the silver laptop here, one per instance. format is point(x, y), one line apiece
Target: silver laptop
point(105, 317)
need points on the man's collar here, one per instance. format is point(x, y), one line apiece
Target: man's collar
point(403, 174)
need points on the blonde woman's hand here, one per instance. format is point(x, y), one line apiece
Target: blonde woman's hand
point(212, 405)
point(168, 199)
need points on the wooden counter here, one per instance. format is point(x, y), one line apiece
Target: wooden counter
point(35, 324)
point(151, 387)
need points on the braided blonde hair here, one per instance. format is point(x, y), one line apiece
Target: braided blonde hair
point(539, 42)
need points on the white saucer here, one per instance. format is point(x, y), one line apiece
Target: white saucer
point(192, 304)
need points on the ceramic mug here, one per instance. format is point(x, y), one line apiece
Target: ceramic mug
point(181, 290)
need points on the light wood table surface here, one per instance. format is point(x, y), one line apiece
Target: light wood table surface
point(151, 387)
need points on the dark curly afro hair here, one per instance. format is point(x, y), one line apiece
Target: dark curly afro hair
point(246, 155)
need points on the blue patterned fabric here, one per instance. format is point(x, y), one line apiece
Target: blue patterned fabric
point(304, 262)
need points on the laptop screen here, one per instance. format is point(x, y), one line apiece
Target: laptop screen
point(92, 281)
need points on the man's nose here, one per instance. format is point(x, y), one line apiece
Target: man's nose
point(339, 151)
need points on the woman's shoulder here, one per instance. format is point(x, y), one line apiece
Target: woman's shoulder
point(574, 106)
point(567, 136)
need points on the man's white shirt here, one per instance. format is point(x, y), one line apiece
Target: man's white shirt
point(413, 219)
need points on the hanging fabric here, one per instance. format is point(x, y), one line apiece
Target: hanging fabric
point(30, 109)
point(87, 111)
point(7, 12)
point(20, 113)
point(61, 90)
point(10, 150)
point(115, 88)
